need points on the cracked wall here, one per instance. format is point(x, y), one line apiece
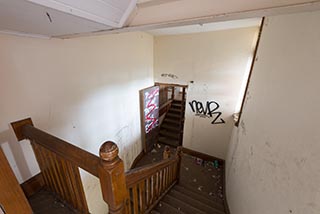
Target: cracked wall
point(273, 158)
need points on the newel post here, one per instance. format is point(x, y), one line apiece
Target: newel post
point(166, 152)
point(112, 178)
point(179, 156)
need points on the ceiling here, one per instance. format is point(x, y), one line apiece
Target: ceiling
point(73, 18)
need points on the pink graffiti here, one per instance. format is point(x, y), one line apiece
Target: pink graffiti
point(151, 107)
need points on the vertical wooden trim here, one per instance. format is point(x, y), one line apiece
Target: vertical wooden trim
point(251, 69)
point(17, 127)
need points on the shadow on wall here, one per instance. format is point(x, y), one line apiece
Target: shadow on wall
point(15, 155)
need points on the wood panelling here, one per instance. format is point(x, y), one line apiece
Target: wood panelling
point(12, 198)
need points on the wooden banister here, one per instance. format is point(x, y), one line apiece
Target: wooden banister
point(148, 184)
point(112, 178)
point(59, 163)
point(136, 191)
point(135, 175)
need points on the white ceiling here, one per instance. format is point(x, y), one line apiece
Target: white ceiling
point(72, 18)
point(63, 17)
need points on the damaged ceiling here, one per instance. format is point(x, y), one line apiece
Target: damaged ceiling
point(72, 18)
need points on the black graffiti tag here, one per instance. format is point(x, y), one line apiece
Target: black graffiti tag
point(207, 111)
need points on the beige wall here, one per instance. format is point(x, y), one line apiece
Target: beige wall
point(216, 62)
point(78, 90)
point(273, 163)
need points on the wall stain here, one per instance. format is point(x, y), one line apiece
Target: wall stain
point(243, 127)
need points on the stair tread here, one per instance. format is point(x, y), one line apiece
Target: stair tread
point(168, 141)
point(175, 110)
point(205, 199)
point(168, 120)
point(169, 126)
point(181, 205)
point(196, 202)
point(170, 134)
point(166, 208)
point(173, 115)
point(216, 200)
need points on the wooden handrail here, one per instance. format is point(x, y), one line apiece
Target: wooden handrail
point(74, 154)
point(135, 175)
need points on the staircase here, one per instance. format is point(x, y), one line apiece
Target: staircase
point(181, 199)
point(184, 181)
point(171, 128)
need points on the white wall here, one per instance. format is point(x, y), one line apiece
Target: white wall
point(273, 161)
point(216, 62)
point(85, 91)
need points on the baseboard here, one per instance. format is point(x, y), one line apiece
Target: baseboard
point(138, 158)
point(202, 155)
point(225, 202)
point(33, 185)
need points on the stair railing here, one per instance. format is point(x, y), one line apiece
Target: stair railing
point(59, 162)
point(134, 192)
point(140, 189)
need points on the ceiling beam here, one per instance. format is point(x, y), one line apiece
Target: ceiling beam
point(272, 11)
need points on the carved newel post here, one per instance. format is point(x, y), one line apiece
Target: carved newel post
point(166, 152)
point(112, 178)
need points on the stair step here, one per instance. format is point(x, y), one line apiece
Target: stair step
point(171, 115)
point(175, 110)
point(166, 208)
point(204, 199)
point(170, 134)
point(168, 141)
point(177, 101)
point(206, 195)
point(169, 126)
point(176, 105)
point(195, 202)
point(172, 121)
point(181, 205)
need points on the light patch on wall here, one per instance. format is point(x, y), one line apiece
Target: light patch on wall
point(10, 157)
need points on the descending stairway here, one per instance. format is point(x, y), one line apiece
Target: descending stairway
point(171, 128)
point(181, 199)
point(200, 187)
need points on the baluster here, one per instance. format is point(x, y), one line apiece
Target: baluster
point(179, 156)
point(112, 178)
point(135, 199)
point(142, 199)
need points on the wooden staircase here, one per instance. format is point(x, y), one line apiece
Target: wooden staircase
point(153, 188)
point(181, 199)
point(171, 129)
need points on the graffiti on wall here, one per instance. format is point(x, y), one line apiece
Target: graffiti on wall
point(151, 108)
point(207, 110)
